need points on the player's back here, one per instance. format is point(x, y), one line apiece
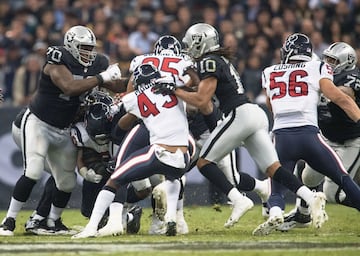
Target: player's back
point(167, 64)
point(163, 115)
point(294, 92)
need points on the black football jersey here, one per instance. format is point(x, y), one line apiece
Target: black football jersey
point(49, 103)
point(230, 90)
point(333, 121)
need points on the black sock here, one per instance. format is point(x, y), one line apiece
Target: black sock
point(246, 183)
point(212, 172)
point(44, 205)
point(287, 179)
point(23, 188)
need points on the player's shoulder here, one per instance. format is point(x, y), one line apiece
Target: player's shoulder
point(58, 55)
point(101, 60)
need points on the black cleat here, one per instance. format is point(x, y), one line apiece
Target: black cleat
point(171, 228)
point(133, 226)
point(7, 227)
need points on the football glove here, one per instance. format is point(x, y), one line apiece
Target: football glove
point(90, 175)
point(112, 73)
point(164, 85)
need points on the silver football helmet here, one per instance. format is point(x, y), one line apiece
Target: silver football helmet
point(199, 39)
point(80, 41)
point(340, 56)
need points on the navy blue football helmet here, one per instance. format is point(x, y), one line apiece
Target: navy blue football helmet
point(167, 44)
point(98, 122)
point(296, 47)
point(145, 74)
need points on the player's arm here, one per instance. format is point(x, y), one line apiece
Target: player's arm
point(202, 97)
point(341, 99)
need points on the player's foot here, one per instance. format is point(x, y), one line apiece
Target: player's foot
point(171, 228)
point(157, 227)
point(269, 226)
point(59, 227)
point(181, 225)
point(112, 228)
point(7, 227)
point(38, 227)
point(87, 232)
point(133, 226)
point(159, 195)
point(295, 219)
point(317, 208)
point(240, 207)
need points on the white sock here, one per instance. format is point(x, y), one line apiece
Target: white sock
point(14, 208)
point(259, 185)
point(275, 211)
point(234, 195)
point(115, 212)
point(55, 212)
point(172, 195)
point(305, 193)
point(103, 201)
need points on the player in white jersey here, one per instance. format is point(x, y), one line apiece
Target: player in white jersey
point(293, 90)
point(167, 153)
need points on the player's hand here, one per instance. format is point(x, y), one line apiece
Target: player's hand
point(92, 176)
point(111, 166)
point(164, 85)
point(112, 73)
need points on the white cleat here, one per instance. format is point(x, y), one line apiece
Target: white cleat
point(317, 208)
point(269, 226)
point(111, 229)
point(240, 207)
point(159, 195)
point(87, 232)
point(181, 225)
point(157, 227)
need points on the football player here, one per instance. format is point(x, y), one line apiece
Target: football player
point(245, 123)
point(293, 88)
point(70, 71)
point(339, 131)
point(168, 152)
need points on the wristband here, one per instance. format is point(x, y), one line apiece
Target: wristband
point(83, 170)
point(100, 79)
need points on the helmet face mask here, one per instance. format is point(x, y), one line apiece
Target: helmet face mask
point(296, 47)
point(145, 74)
point(199, 39)
point(340, 56)
point(81, 42)
point(167, 44)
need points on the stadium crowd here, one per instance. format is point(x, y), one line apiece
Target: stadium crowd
point(254, 29)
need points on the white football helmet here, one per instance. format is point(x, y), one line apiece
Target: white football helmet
point(340, 56)
point(80, 41)
point(199, 39)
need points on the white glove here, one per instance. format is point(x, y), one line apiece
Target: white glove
point(90, 175)
point(112, 73)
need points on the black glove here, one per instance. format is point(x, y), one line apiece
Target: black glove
point(164, 85)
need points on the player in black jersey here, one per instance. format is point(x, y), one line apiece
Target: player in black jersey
point(244, 124)
point(339, 131)
point(70, 71)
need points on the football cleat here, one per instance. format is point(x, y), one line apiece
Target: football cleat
point(240, 207)
point(112, 228)
point(7, 227)
point(181, 225)
point(269, 226)
point(133, 226)
point(59, 227)
point(159, 195)
point(38, 227)
point(85, 233)
point(171, 228)
point(317, 208)
point(157, 226)
point(295, 219)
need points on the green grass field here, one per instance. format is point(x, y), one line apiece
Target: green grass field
point(339, 236)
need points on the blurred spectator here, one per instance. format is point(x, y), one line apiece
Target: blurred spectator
point(26, 79)
point(209, 15)
point(142, 40)
point(238, 19)
point(124, 56)
point(230, 41)
point(160, 22)
point(170, 8)
point(223, 9)
point(252, 9)
point(184, 16)
point(60, 7)
point(251, 77)
point(318, 43)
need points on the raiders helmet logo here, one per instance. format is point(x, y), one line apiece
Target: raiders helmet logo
point(70, 37)
point(196, 38)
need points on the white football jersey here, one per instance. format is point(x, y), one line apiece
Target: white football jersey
point(163, 115)
point(167, 64)
point(82, 139)
point(294, 92)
